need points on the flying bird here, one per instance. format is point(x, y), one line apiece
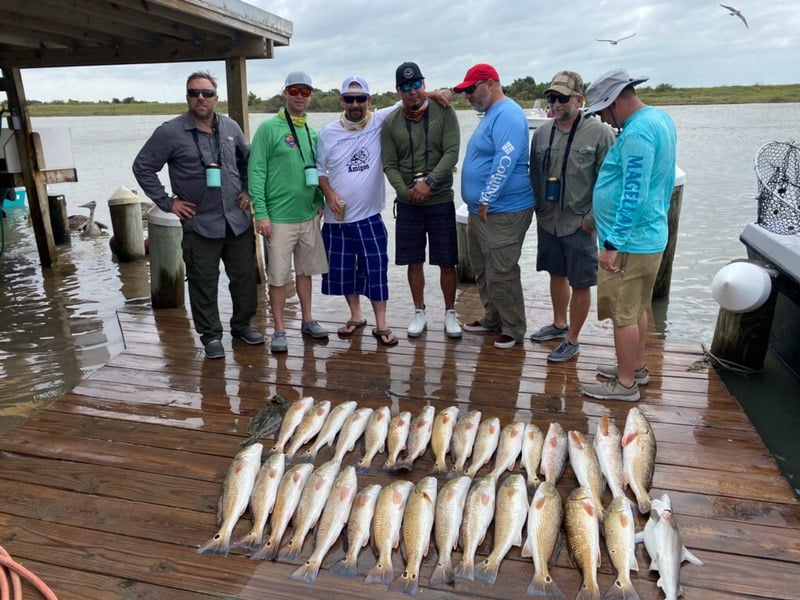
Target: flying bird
point(615, 42)
point(735, 13)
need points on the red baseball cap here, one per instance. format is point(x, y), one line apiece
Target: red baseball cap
point(476, 73)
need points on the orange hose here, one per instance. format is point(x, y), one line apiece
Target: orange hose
point(16, 570)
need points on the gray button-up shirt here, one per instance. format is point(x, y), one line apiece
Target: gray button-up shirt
point(173, 144)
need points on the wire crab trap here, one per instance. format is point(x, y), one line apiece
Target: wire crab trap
point(778, 173)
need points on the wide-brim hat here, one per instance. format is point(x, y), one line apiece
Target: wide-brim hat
point(605, 89)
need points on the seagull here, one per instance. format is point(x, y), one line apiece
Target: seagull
point(735, 13)
point(615, 42)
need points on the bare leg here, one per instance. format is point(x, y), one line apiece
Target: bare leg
point(448, 280)
point(354, 303)
point(380, 314)
point(559, 294)
point(277, 302)
point(303, 285)
point(629, 343)
point(416, 281)
point(578, 311)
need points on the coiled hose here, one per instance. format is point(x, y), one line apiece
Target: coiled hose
point(11, 584)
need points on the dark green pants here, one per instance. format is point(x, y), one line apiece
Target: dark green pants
point(202, 256)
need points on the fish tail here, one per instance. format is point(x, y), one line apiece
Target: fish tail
point(307, 572)
point(217, 545)
point(309, 455)
point(465, 569)
point(403, 465)
point(621, 590)
point(543, 585)
point(440, 466)
point(443, 572)
point(644, 504)
point(486, 571)
point(267, 552)
point(407, 582)
point(363, 465)
point(382, 572)
point(588, 592)
point(251, 541)
point(347, 567)
point(291, 550)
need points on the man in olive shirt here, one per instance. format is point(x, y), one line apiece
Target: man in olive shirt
point(419, 145)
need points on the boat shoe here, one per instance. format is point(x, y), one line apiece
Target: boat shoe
point(214, 349)
point(314, 329)
point(249, 336)
point(418, 324)
point(451, 327)
point(641, 375)
point(564, 352)
point(611, 390)
point(549, 332)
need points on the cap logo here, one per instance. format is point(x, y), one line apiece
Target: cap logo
point(408, 72)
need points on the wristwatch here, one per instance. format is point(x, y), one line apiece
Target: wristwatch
point(609, 246)
point(429, 180)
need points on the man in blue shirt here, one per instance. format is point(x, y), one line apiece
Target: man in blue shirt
point(630, 201)
point(496, 187)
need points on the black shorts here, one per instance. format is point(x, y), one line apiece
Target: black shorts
point(419, 223)
point(572, 256)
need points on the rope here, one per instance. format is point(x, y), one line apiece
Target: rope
point(13, 577)
point(729, 365)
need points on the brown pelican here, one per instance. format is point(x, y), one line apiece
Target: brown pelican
point(734, 12)
point(87, 226)
point(615, 42)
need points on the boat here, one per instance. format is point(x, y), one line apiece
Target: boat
point(538, 115)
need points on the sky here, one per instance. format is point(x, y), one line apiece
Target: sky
point(685, 43)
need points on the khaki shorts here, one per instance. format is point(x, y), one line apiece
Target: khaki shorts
point(299, 241)
point(624, 296)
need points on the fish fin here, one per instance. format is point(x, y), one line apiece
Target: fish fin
point(251, 541)
point(587, 593)
point(407, 582)
point(268, 551)
point(381, 573)
point(465, 569)
point(309, 455)
point(307, 572)
point(363, 466)
point(291, 550)
point(486, 571)
point(217, 545)
point(442, 573)
point(403, 465)
point(345, 568)
point(644, 505)
point(618, 591)
point(439, 466)
point(543, 585)
point(687, 555)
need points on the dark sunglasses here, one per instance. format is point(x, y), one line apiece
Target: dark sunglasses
point(351, 99)
point(471, 89)
point(304, 92)
point(407, 87)
point(205, 93)
point(552, 98)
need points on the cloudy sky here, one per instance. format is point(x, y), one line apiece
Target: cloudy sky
point(686, 43)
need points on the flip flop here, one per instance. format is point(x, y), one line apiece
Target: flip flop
point(351, 327)
point(380, 334)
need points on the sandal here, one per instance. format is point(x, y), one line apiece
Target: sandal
point(385, 337)
point(351, 327)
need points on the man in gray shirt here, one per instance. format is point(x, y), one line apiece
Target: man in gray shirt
point(206, 154)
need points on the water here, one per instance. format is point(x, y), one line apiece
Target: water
point(56, 329)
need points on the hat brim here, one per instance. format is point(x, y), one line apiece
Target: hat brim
point(612, 96)
point(464, 85)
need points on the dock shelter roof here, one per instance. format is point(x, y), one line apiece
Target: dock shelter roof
point(70, 33)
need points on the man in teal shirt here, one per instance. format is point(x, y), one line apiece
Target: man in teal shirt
point(288, 204)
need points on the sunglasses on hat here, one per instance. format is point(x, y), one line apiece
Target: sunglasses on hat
point(205, 93)
point(351, 99)
point(552, 98)
point(294, 90)
point(407, 87)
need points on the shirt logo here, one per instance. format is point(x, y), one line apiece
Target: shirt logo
point(508, 147)
point(359, 161)
point(289, 140)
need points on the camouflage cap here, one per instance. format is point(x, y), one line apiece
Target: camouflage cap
point(568, 83)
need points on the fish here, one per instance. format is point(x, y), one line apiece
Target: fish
point(511, 510)
point(508, 448)
point(554, 453)
point(358, 529)
point(351, 432)
point(267, 420)
point(310, 426)
point(478, 515)
point(262, 499)
point(662, 540)
point(309, 508)
point(333, 424)
point(638, 457)
point(464, 434)
point(396, 439)
point(419, 434)
point(485, 444)
point(289, 491)
point(608, 447)
point(446, 525)
point(386, 523)
point(545, 515)
point(583, 534)
point(531, 454)
point(619, 533)
point(236, 490)
point(443, 426)
point(333, 519)
point(374, 437)
point(417, 526)
point(294, 415)
point(587, 471)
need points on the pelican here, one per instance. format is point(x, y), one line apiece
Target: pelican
point(734, 12)
point(87, 226)
point(615, 42)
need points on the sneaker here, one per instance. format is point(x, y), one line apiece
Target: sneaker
point(477, 327)
point(279, 344)
point(451, 327)
point(549, 332)
point(564, 352)
point(214, 349)
point(314, 329)
point(612, 390)
point(418, 324)
point(250, 336)
point(504, 341)
point(642, 376)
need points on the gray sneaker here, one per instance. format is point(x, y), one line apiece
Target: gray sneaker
point(642, 376)
point(214, 349)
point(279, 344)
point(564, 352)
point(549, 332)
point(249, 336)
point(611, 390)
point(314, 329)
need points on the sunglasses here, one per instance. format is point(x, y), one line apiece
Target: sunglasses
point(205, 93)
point(471, 89)
point(407, 87)
point(552, 98)
point(351, 99)
point(304, 92)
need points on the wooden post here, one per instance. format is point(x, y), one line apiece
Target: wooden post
point(59, 221)
point(126, 221)
point(464, 268)
point(167, 270)
point(664, 276)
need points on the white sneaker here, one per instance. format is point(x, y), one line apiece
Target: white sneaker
point(451, 327)
point(418, 324)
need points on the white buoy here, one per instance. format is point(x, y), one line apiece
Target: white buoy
point(741, 287)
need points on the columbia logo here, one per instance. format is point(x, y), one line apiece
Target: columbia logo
point(508, 147)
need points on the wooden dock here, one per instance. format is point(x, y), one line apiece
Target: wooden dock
point(108, 492)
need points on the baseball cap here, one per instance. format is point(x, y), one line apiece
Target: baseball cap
point(356, 80)
point(568, 83)
point(408, 72)
point(476, 73)
point(297, 78)
point(605, 89)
